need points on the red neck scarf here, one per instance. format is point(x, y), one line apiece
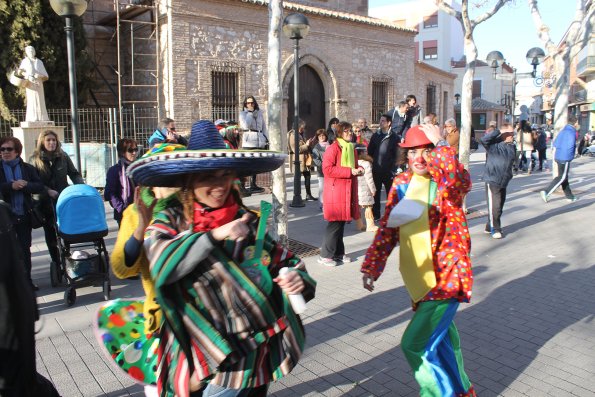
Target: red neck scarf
point(206, 219)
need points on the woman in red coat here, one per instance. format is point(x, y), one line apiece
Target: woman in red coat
point(340, 195)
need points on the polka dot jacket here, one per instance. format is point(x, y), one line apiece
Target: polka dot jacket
point(451, 243)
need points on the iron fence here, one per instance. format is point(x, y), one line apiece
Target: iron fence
point(96, 124)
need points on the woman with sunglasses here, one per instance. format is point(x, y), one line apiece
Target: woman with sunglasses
point(18, 180)
point(255, 136)
point(53, 166)
point(119, 190)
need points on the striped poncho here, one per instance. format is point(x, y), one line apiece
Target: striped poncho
point(220, 327)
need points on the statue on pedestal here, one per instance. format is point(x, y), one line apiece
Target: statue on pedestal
point(31, 74)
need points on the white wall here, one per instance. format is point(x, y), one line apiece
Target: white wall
point(448, 33)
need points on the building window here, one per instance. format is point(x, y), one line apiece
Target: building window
point(379, 99)
point(478, 121)
point(224, 93)
point(430, 53)
point(431, 21)
point(445, 105)
point(431, 98)
point(476, 89)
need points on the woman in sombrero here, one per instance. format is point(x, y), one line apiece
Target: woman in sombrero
point(229, 326)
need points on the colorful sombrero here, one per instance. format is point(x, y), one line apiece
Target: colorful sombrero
point(206, 151)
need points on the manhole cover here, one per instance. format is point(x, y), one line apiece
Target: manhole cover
point(302, 250)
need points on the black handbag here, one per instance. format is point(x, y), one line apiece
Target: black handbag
point(37, 215)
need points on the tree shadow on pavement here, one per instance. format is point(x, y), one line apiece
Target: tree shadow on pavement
point(507, 330)
point(529, 223)
point(501, 336)
point(350, 363)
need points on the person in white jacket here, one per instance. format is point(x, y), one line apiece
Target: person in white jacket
point(255, 135)
point(366, 189)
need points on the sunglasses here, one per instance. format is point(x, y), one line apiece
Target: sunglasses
point(250, 103)
point(172, 128)
point(132, 150)
point(6, 149)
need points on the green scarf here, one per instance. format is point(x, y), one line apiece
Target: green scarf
point(347, 153)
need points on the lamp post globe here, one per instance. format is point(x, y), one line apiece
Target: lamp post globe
point(535, 56)
point(70, 9)
point(296, 27)
point(495, 59)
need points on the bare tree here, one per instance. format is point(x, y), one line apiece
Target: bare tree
point(575, 39)
point(470, 50)
point(275, 101)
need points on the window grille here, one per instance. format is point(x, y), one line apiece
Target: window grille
point(224, 95)
point(379, 99)
point(431, 98)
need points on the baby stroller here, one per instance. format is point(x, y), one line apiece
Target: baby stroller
point(81, 222)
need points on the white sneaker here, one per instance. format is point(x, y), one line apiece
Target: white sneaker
point(497, 235)
point(543, 195)
point(329, 262)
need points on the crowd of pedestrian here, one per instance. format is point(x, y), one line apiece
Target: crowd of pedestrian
point(219, 307)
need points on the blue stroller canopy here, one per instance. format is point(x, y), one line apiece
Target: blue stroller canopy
point(80, 210)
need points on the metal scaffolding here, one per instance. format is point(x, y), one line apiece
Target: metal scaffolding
point(137, 41)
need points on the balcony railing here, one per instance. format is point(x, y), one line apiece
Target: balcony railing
point(586, 66)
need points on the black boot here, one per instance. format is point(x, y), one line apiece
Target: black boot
point(253, 187)
point(244, 192)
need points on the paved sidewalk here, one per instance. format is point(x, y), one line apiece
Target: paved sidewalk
point(529, 330)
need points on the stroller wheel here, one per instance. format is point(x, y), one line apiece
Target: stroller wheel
point(106, 290)
point(55, 274)
point(70, 296)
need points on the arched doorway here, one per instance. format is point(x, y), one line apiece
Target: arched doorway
point(311, 101)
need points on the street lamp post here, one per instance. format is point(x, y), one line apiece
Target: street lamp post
point(534, 56)
point(495, 59)
point(69, 9)
point(296, 27)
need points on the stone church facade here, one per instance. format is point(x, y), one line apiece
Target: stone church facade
point(213, 53)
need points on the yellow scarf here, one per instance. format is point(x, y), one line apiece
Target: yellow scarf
point(415, 256)
point(347, 156)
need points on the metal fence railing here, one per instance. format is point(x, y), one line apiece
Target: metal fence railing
point(96, 124)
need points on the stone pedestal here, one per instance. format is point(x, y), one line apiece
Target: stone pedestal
point(28, 132)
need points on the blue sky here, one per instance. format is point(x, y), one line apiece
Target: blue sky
point(511, 30)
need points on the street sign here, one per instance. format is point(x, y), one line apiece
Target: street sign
point(505, 76)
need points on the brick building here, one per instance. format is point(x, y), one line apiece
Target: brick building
point(199, 59)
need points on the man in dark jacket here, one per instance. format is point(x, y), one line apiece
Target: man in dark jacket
point(398, 117)
point(383, 150)
point(564, 146)
point(541, 147)
point(500, 157)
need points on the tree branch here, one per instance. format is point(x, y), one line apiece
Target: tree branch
point(447, 8)
point(543, 31)
point(489, 14)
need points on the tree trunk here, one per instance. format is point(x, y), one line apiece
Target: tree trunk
point(562, 67)
point(470, 50)
point(275, 101)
